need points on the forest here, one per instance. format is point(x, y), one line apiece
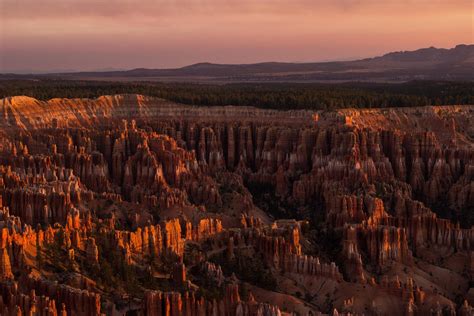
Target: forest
point(314, 96)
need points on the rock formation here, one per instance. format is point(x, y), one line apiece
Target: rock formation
point(195, 207)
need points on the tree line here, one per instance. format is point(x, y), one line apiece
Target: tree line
point(314, 96)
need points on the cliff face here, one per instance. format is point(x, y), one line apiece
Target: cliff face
point(143, 189)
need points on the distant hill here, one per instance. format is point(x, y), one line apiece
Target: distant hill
point(423, 64)
point(461, 53)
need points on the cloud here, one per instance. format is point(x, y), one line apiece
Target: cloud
point(62, 9)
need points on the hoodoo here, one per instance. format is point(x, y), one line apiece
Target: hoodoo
point(136, 204)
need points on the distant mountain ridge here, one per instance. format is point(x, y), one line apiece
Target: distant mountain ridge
point(423, 64)
point(458, 53)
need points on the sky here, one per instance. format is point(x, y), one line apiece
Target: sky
point(76, 35)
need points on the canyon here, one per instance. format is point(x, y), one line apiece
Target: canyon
point(129, 204)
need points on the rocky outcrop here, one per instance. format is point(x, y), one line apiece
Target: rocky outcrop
point(159, 303)
point(173, 241)
point(282, 253)
point(213, 272)
point(92, 251)
point(207, 227)
point(5, 266)
point(74, 301)
point(15, 303)
point(381, 243)
point(167, 238)
point(47, 298)
point(146, 241)
point(353, 266)
point(311, 266)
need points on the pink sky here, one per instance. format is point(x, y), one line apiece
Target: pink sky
point(54, 35)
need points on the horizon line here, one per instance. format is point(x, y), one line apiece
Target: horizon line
point(113, 69)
